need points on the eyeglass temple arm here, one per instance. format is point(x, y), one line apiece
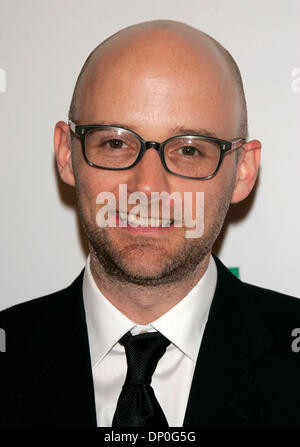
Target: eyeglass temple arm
point(238, 143)
point(72, 126)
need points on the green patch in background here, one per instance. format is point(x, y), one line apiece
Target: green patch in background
point(235, 271)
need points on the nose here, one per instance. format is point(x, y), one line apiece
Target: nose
point(149, 175)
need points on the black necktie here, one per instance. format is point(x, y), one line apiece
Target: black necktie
point(137, 405)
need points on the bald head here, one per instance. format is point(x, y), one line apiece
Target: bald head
point(157, 48)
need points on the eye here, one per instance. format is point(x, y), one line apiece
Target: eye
point(115, 144)
point(188, 150)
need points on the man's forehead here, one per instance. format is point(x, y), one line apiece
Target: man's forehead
point(156, 42)
point(185, 63)
point(176, 57)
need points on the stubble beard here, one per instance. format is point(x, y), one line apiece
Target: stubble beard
point(186, 257)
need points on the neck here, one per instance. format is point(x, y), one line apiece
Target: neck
point(143, 304)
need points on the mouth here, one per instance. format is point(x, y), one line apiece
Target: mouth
point(141, 225)
point(141, 221)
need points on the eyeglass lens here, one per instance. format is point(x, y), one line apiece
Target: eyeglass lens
point(118, 148)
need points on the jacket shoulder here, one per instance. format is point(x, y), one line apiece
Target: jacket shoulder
point(280, 312)
point(43, 315)
point(269, 296)
point(258, 294)
point(42, 303)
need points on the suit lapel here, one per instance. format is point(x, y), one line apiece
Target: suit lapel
point(223, 392)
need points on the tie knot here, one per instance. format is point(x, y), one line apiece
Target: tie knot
point(143, 352)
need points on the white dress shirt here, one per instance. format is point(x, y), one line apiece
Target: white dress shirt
point(183, 325)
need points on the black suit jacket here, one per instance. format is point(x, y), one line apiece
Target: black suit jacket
point(246, 372)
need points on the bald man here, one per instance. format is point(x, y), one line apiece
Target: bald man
point(155, 331)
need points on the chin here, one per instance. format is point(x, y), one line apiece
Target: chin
point(144, 266)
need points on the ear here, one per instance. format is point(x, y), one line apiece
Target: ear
point(62, 144)
point(247, 170)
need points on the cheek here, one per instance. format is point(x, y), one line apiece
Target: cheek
point(213, 194)
point(91, 181)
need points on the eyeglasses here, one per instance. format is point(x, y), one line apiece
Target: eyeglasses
point(116, 148)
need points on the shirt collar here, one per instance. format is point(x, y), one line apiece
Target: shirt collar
point(183, 324)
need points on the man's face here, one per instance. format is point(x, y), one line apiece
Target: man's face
point(176, 91)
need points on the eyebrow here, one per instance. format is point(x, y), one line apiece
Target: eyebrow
point(188, 131)
point(178, 130)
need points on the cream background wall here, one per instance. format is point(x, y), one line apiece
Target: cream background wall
point(43, 44)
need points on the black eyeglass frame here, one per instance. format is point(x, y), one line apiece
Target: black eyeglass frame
point(224, 146)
